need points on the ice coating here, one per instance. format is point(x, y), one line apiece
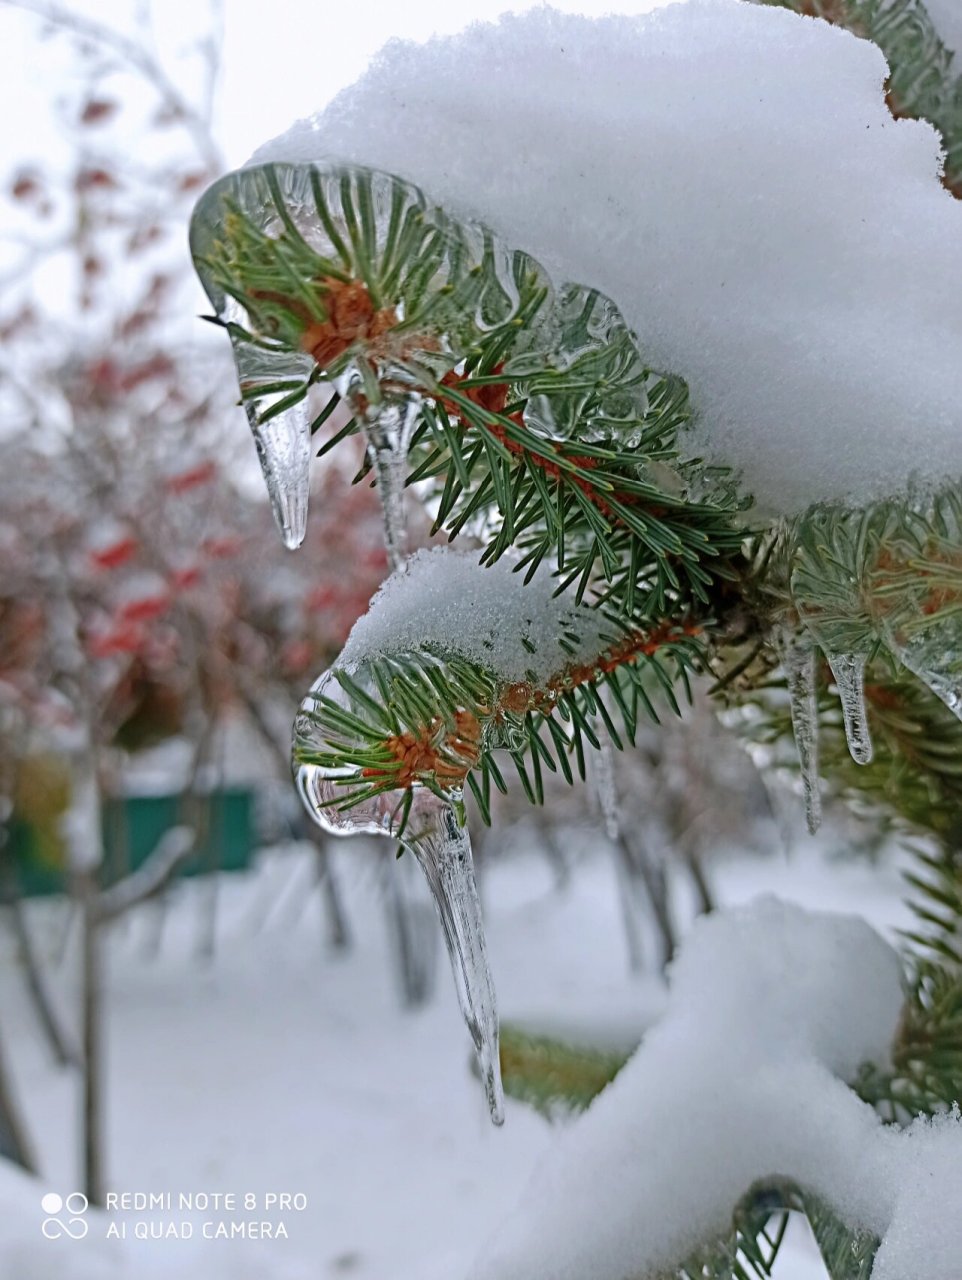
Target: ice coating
point(848, 670)
point(433, 830)
point(767, 1003)
point(444, 600)
point(731, 176)
point(603, 772)
point(798, 656)
point(933, 653)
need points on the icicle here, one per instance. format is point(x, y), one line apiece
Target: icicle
point(603, 778)
point(284, 440)
point(388, 431)
point(849, 672)
point(605, 789)
point(439, 841)
point(443, 851)
point(797, 653)
point(284, 450)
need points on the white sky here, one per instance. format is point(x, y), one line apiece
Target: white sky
point(281, 59)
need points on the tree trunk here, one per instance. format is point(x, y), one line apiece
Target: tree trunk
point(65, 1052)
point(655, 880)
point(14, 1143)
point(91, 1005)
point(338, 928)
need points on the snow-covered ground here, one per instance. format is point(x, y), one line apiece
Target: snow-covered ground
point(284, 1067)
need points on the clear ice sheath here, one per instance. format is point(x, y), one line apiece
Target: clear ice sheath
point(798, 658)
point(389, 469)
point(849, 672)
point(443, 851)
point(935, 660)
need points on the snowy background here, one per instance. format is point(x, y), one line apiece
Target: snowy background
point(284, 1066)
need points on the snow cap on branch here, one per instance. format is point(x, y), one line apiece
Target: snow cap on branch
point(732, 177)
point(446, 602)
point(771, 1009)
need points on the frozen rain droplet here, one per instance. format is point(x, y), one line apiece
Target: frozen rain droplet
point(797, 654)
point(849, 672)
point(439, 841)
point(606, 789)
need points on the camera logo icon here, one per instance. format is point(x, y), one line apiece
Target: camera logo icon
point(64, 1215)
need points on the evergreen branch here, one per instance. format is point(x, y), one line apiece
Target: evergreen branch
point(432, 718)
point(538, 422)
point(541, 430)
point(551, 1076)
point(758, 1229)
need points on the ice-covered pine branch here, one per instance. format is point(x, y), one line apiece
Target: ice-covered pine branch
point(455, 659)
point(743, 1087)
point(525, 403)
point(446, 340)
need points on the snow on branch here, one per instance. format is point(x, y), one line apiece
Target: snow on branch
point(732, 177)
point(445, 601)
point(772, 1009)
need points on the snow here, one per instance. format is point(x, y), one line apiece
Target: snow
point(284, 1066)
point(790, 982)
point(768, 1003)
point(731, 176)
point(925, 1236)
point(445, 601)
point(946, 17)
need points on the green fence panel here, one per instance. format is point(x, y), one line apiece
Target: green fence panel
point(132, 827)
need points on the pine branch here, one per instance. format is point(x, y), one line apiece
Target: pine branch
point(554, 1078)
point(431, 718)
point(540, 426)
point(540, 429)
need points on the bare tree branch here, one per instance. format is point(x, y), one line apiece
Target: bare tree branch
point(142, 60)
point(150, 879)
